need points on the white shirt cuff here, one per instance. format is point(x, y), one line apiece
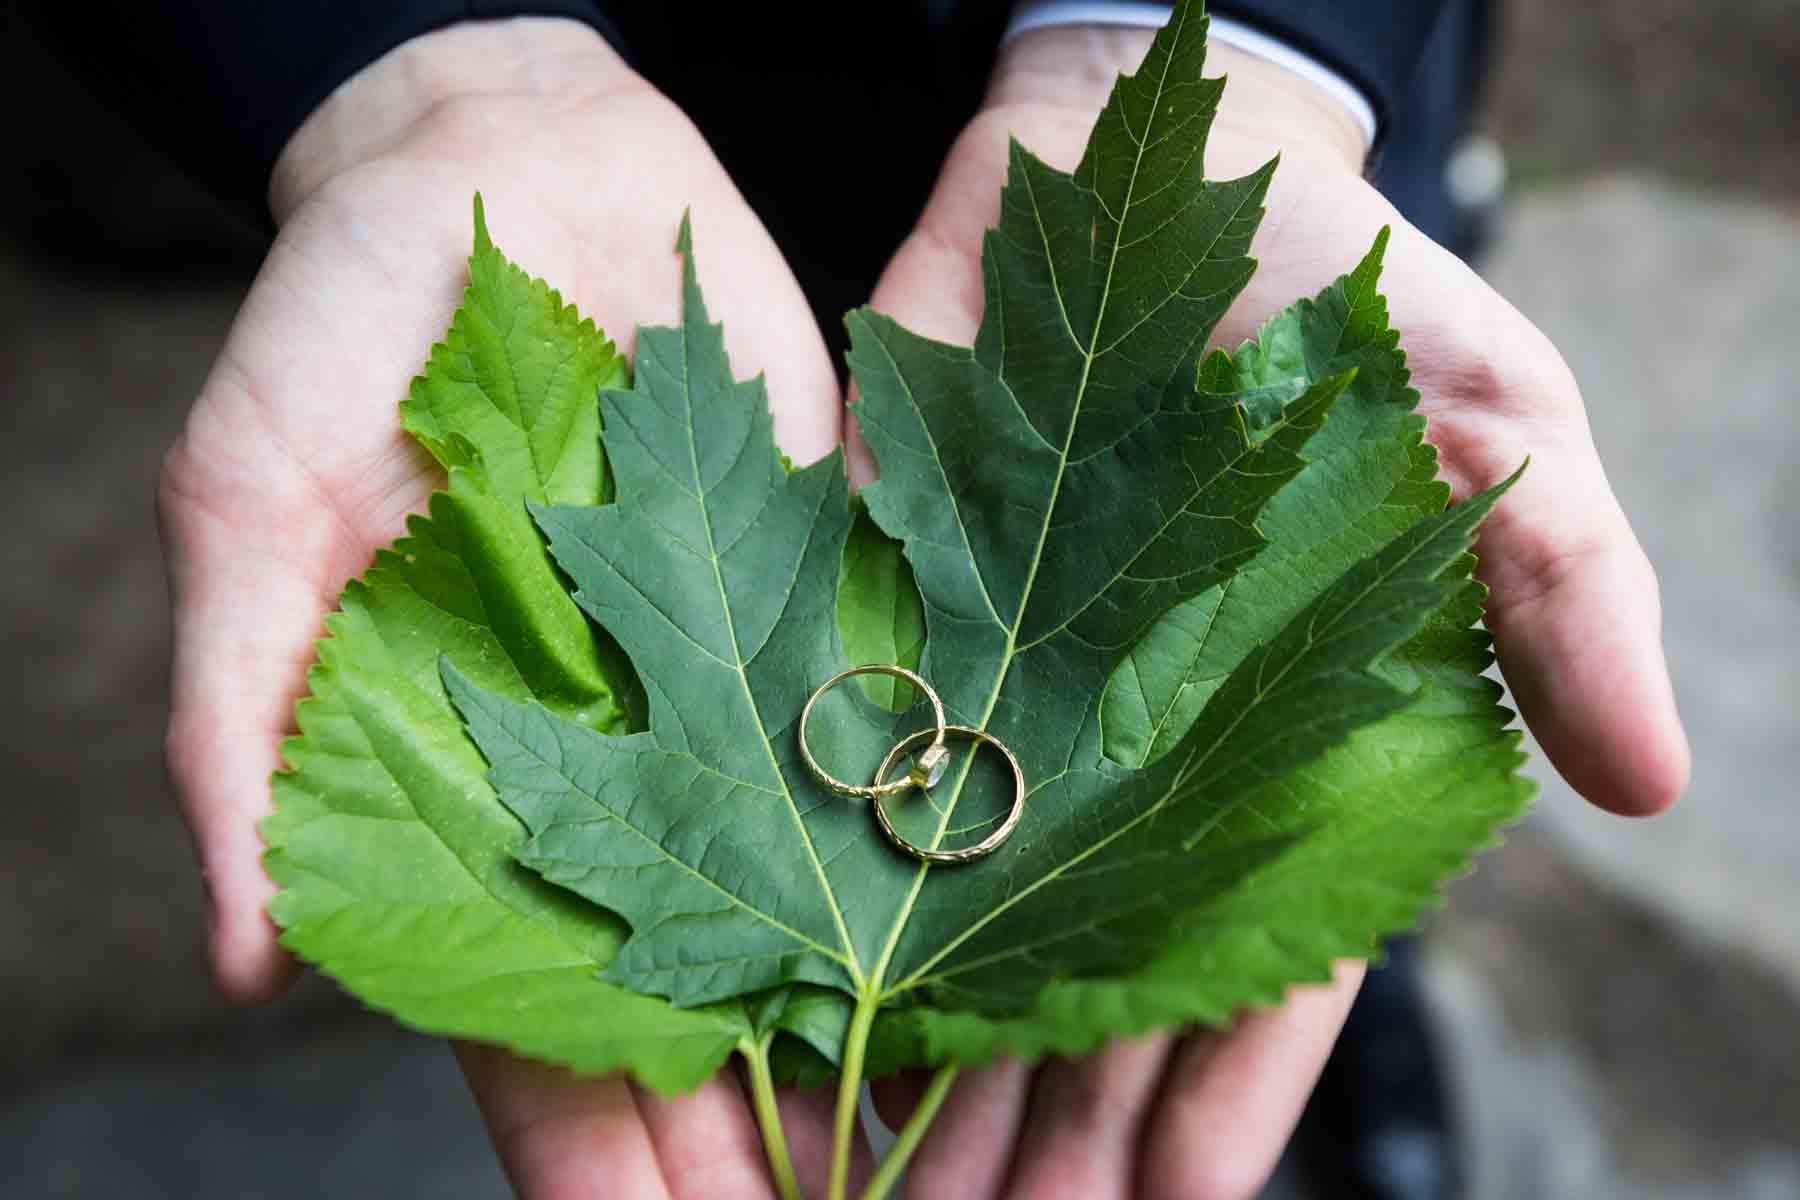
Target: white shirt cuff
point(1048, 14)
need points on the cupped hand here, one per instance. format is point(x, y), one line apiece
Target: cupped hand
point(1573, 607)
point(292, 469)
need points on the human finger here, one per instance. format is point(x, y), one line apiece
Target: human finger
point(1229, 1100)
point(559, 1136)
point(254, 559)
point(706, 1143)
point(807, 1116)
point(1083, 1124)
point(970, 1144)
point(1573, 602)
point(1576, 616)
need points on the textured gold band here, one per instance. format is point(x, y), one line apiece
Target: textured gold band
point(930, 763)
point(986, 845)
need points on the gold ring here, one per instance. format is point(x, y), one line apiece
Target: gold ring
point(986, 845)
point(927, 769)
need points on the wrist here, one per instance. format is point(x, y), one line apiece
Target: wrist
point(429, 79)
point(1074, 66)
point(1268, 102)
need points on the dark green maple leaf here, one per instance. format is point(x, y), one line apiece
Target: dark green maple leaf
point(1059, 489)
point(1354, 844)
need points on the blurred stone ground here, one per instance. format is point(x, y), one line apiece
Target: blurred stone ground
point(1621, 1001)
point(1655, 965)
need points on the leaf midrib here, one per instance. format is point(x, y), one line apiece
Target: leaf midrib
point(514, 314)
point(1199, 487)
point(904, 914)
point(1187, 679)
point(849, 958)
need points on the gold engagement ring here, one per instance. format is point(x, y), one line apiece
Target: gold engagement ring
point(986, 845)
point(927, 768)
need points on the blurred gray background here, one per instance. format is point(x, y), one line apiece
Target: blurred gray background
point(1620, 1001)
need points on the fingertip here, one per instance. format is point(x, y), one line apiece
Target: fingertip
point(1642, 779)
point(1671, 781)
point(973, 1141)
point(1576, 615)
point(250, 985)
point(249, 965)
point(1601, 706)
point(221, 780)
point(1659, 776)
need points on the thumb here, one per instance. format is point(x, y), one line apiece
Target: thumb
point(256, 556)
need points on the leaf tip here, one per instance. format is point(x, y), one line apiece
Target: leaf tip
point(483, 242)
point(455, 682)
point(1505, 485)
point(856, 321)
point(546, 517)
point(1368, 271)
point(1476, 508)
point(1361, 285)
point(693, 303)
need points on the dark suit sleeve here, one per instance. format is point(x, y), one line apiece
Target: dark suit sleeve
point(220, 85)
point(1375, 44)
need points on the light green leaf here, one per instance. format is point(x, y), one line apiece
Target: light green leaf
point(395, 859)
point(516, 376)
point(879, 613)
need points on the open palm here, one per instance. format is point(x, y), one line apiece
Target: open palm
point(293, 470)
point(1573, 608)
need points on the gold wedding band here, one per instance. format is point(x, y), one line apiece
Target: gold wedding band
point(986, 845)
point(927, 768)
